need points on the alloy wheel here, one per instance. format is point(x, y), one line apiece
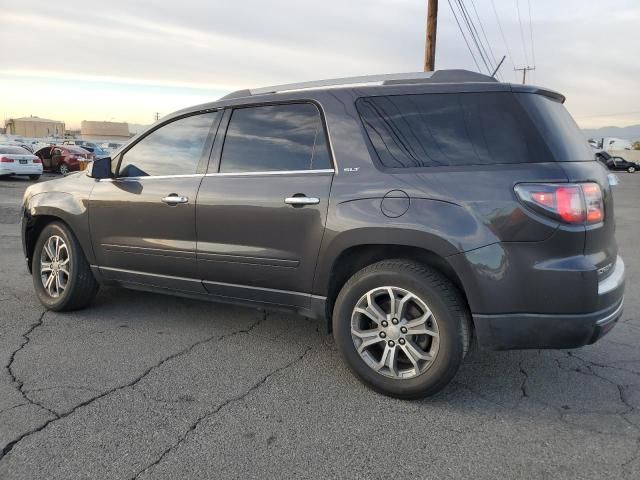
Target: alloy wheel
point(54, 266)
point(64, 170)
point(395, 332)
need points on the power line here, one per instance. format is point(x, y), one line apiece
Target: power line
point(504, 39)
point(484, 34)
point(524, 48)
point(474, 36)
point(463, 35)
point(533, 51)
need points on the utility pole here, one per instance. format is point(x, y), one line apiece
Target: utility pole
point(430, 43)
point(156, 116)
point(524, 71)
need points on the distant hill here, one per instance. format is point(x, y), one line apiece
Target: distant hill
point(632, 132)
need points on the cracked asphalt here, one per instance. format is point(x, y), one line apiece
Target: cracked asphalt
point(147, 386)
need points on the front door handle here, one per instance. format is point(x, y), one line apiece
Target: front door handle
point(300, 201)
point(174, 199)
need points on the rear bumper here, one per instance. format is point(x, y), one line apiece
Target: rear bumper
point(529, 330)
point(17, 169)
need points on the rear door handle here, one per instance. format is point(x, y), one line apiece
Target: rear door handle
point(300, 201)
point(174, 199)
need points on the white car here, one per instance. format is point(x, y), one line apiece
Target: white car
point(16, 160)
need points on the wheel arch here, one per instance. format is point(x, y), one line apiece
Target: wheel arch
point(357, 257)
point(44, 209)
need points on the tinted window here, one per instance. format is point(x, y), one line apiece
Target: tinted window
point(14, 151)
point(174, 149)
point(558, 128)
point(278, 137)
point(451, 129)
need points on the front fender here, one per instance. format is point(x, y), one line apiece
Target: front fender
point(69, 208)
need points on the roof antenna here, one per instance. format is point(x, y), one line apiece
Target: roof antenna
point(498, 67)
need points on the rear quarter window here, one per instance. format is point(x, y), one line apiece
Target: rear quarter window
point(451, 129)
point(557, 127)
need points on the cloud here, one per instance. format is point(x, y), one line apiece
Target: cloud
point(198, 48)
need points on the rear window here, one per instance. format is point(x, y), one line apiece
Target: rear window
point(14, 151)
point(429, 130)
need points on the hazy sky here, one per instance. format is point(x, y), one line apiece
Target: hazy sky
point(124, 60)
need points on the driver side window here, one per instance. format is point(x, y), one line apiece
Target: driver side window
point(173, 149)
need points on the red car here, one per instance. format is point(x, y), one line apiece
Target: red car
point(63, 158)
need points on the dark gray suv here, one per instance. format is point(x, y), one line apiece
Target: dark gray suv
point(412, 212)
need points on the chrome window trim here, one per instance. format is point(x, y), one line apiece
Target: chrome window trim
point(159, 177)
point(270, 172)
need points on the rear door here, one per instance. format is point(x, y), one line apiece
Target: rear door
point(262, 207)
point(143, 221)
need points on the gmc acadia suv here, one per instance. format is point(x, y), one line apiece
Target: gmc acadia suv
point(412, 212)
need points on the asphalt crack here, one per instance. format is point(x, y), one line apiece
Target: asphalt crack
point(7, 449)
point(14, 379)
point(237, 398)
point(523, 385)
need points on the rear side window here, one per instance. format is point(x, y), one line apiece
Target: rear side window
point(275, 138)
point(431, 130)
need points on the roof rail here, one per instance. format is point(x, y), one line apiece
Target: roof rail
point(440, 76)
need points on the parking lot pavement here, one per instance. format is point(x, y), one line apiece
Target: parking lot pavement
point(146, 386)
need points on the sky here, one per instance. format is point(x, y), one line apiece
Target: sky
point(125, 60)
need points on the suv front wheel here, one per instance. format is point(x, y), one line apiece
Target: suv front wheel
point(61, 274)
point(402, 328)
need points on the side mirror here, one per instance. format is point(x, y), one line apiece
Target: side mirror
point(100, 168)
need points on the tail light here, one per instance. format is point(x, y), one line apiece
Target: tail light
point(6, 160)
point(36, 160)
point(574, 203)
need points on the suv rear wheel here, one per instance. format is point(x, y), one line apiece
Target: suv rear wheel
point(402, 327)
point(61, 275)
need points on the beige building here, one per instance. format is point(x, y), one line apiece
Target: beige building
point(104, 130)
point(34, 127)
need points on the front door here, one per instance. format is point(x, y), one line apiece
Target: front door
point(261, 211)
point(142, 222)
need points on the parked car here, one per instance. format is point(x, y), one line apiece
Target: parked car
point(617, 163)
point(411, 215)
point(63, 158)
point(15, 160)
point(111, 146)
point(89, 147)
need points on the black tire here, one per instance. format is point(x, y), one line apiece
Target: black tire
point(631, 169)
point(443, 299)
point(34, 177)
point(63, 169)
point(81, 287)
